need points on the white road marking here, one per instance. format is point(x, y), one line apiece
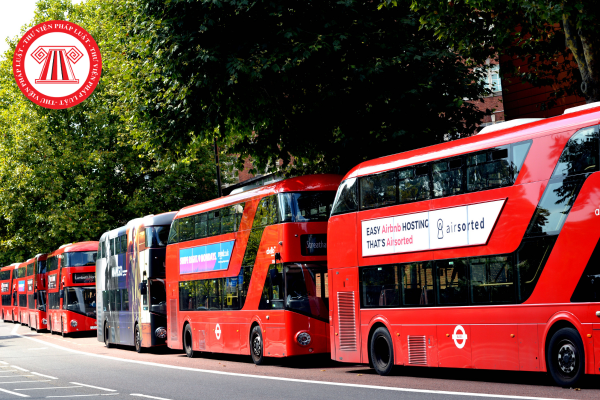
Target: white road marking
point(51, 387)
point(15, 393)
point(14, 376)
point(149, 397)
point(93, 387)
point(86, 395)
point(275, 378)
point(23, 381)
point(14, 330)
point(19, 368)
point(45, 376)
point(3, 362)
point(37, 348)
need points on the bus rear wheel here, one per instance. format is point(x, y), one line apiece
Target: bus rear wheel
point(256, 346)
point(565, 357)
point(138, 340)
point(106, 338)
point(187, 341)
point(382, 351)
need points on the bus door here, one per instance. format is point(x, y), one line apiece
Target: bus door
point(454, 338)
point(347, 339)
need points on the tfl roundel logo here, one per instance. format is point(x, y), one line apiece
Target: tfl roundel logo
point(57, 64)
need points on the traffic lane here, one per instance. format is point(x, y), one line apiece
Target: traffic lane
point(127, 379)
point(321, 368)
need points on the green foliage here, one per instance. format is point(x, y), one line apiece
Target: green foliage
point(321, 85)
point(69, 175)
point(531, 30)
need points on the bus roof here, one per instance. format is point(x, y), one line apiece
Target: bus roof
point(321, 182)
point(159, 219)
point(512, 134)
point(9, 267)
point(72, 247)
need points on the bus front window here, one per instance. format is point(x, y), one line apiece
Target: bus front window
point(156, 236)
point(81, 300)
point(306, 289)
point(158, 296)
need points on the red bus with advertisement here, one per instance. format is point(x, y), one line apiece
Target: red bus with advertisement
point(247, 273)
point(36, 293)
point(482, 252)
point(20, 290)
point(26, 301)
point(71, 303)
point(7, 276)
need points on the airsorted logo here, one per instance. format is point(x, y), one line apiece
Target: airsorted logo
point(57, 64)
point(440, 226)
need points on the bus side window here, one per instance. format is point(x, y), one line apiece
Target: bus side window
point(452, 281)
point(414, 184)
point(201, 225)
point(379, 286)
point(174, 232)
point(228, 219)
point(492, 280)
point(378, 190)
point(417, 284)
point(580, 154)
point(447, 177)
point(488, 170)
point(214, 223)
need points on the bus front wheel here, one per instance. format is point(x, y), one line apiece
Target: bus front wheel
point(187, 341)
point(565, 357)
point(106, 338)
point(382, 351)
point(256, 346)
point(138, 340)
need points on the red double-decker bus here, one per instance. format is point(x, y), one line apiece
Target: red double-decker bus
point(482, 252)
point(26, 300)
point(247, 273)
point(71, 303)
point(9, 302)
point(36, 293)
point(20, 292)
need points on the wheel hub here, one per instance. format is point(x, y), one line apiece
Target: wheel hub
point(256, 346)
point(566, 358)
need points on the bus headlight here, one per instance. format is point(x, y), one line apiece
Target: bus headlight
point(303, 338)
point(44, 321)
point(73, 323)
point(161, 332)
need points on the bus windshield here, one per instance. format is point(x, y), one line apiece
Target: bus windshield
point(80, 258)
point(156, 236)
point(305, 206)
point(81, 300)
point(158, 296)
point(297, 287)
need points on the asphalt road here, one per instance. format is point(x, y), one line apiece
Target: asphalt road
point(47, 366)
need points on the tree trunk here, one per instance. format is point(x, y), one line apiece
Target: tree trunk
point(584, 51)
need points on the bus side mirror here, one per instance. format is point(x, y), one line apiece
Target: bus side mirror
point(143, 288)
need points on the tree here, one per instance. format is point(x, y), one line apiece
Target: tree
point(321, 85)
point(545, 31)
point(69, 175)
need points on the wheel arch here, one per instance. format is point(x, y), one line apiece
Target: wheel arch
point(377, 322)
point(566, 320)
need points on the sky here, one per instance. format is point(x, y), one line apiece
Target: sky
point(14, 14)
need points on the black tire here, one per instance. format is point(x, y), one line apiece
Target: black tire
point(137, 339)
point(565, 357)
point(382, 351)
point(256, 346)
point(107, 343)
point(187, 341)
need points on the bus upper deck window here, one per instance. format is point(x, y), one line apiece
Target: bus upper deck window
point(580, 154)
point(379, 190)
point(346, 199)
